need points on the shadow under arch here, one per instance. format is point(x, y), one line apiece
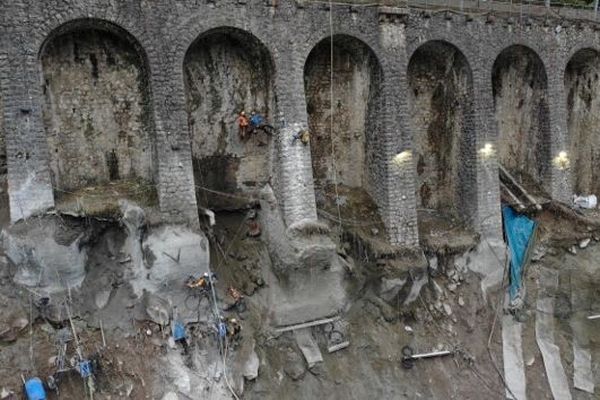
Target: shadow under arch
point(440, 81)
point(228, 70)
point(98, 112)
point(582, 87)
point(344, 146)
point(98, 24)
point(519, 86)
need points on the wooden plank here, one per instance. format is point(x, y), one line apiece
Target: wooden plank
point(338, 346)
point(518, 186)
point(306, 324)
point(512, 196)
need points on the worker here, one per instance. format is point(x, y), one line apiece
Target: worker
point(243, 123)
point(253, 224)
point(238, 299)
point(256, 121)
point(179, 335)
point(204, 282)
point(43, 306)
point(234, 329)
point(303, 136)
point(222, 330)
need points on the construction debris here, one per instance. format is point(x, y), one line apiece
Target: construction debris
point(308, 346)
point(425, 309)
point(584, 243)
point(338, 346)
point(7, 394)
point(588, 202)
point(307, 324)
point(408, 358)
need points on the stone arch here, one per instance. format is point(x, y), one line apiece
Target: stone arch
point(75, 23)
point(441, 92)
point(315, 38)
point(227, 70)
point(582, 87)
point(520, 90)
point(342, 143)
point(98, 112)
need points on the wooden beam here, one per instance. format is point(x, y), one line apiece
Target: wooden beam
point(512, 196)
point(512, 180)
point(338, 346)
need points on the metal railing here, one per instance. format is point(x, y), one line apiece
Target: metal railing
point(573, 9)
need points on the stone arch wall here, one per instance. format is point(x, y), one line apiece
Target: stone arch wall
point(440, 81)
point(477, 204)
point(520, 88)
point(98, 106)
point(227, 70)
point(342, 28)
point(357, 79)
point(582, 87)
point(289, 30)
point(173, 165)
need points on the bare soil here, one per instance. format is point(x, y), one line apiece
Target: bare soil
point(450, 313)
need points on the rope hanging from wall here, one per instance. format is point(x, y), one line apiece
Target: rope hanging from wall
point(335, 182)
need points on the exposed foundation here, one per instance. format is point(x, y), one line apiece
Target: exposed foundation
point(340, 141)
point(97, 111)
point(520, 97)
point(583, 108)
point(440, 90)
point(227, 71)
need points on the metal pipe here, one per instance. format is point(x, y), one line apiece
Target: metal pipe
point(429, 355)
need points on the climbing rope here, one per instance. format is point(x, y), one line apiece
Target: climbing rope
point(335, 182)
point(223, 348)
point(225, 371)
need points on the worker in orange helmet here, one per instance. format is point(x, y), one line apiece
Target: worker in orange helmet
point(243, 123)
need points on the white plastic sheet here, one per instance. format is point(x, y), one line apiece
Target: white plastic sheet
point(544, 335)
point(512, 354)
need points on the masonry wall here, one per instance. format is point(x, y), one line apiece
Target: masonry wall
point(356, 85)
point(440, 88)
point(520, 97)
point(97, 113)
point(226, 72)
point(2, 143)
point(289, 30)
point(582, 85)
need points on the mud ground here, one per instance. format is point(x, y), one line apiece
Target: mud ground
point(140, 362)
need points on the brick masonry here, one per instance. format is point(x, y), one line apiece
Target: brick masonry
point(162, 31)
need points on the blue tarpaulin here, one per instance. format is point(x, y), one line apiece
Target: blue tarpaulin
point(34, 388)
point(178, 331)
point(518, 230)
